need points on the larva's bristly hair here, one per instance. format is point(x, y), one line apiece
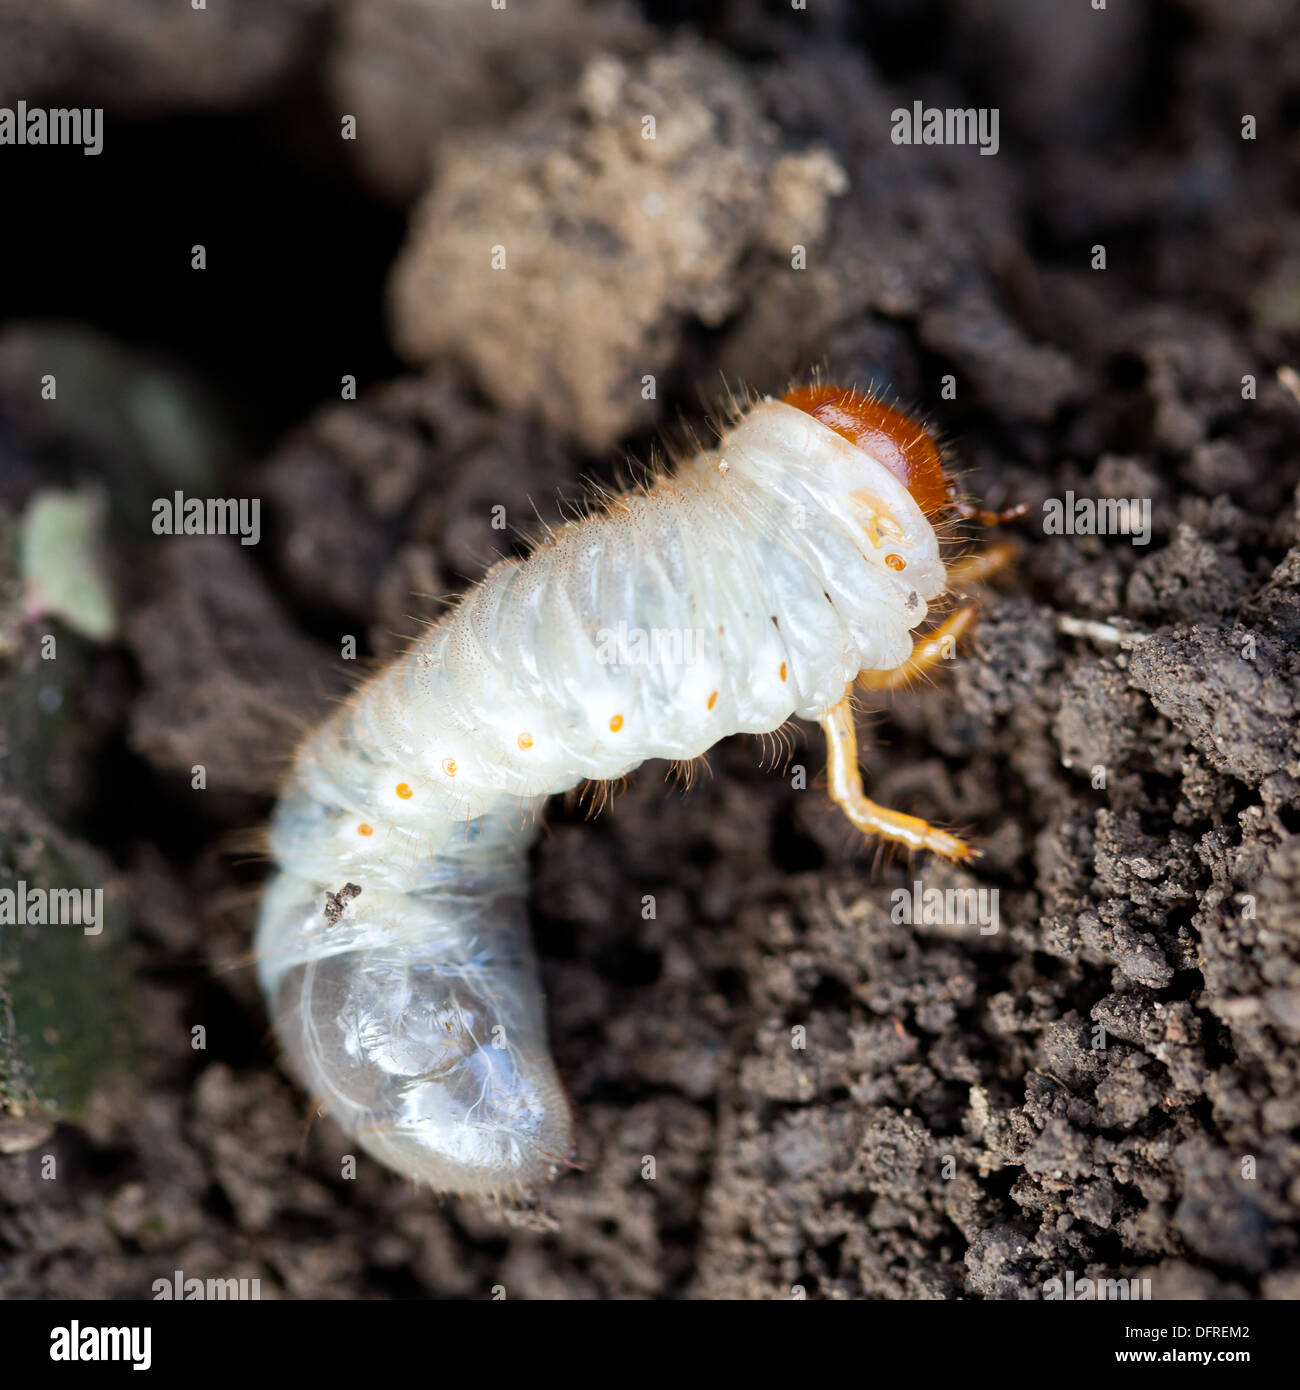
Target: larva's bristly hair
point(727, 404)
point(776, 747)
point(684, 773)
point(595, 795)
point(248, 844)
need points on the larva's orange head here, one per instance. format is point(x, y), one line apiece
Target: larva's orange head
point(890, 436)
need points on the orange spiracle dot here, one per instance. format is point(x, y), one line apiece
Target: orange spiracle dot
point(404, 791)
point(616, 723)
point(365, 830)
point(783, 670)
point(525, 740)
point(713, 699)
point(889, 435)
point(449, 766)
point(895, 562)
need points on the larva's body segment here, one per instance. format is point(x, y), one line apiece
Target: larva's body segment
point(773, 569)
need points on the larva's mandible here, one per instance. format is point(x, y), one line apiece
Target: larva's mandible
point(798, 553)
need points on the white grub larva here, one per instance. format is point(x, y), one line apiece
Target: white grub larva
point(412, 1009)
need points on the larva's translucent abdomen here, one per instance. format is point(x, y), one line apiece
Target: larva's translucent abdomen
point(425, 1037)
point(751, 585)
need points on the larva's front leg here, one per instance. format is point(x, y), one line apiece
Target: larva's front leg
point(933, 648)
point(845, 779)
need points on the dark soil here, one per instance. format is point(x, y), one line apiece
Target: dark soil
point(1110, 1084)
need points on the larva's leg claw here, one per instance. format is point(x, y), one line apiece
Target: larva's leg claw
point(846, 792)
point(933, 648)
point(907, 830)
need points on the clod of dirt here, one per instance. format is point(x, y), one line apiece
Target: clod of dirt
point(561, 256)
